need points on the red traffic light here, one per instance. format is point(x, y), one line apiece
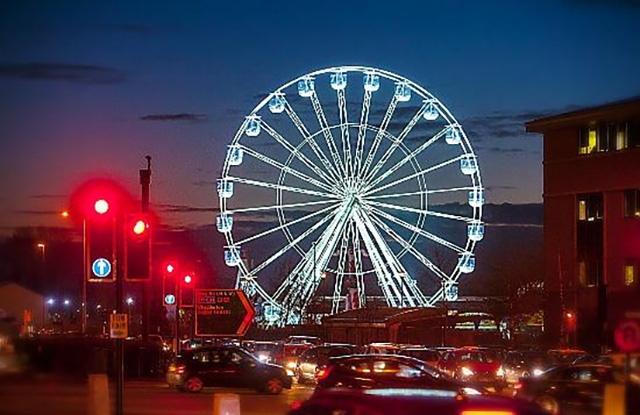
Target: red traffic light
point(170, 268)
point(101, 206)
point(188, 279)
point(140, 227)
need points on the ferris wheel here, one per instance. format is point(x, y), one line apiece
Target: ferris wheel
point(349, 183)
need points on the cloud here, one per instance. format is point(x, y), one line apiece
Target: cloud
point(492, 188)
point(73, 73)
point(501, 150)
point(168, 208)
point(48, 197)
point(181, 117)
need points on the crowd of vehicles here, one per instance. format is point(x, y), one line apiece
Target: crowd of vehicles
point(559, 382)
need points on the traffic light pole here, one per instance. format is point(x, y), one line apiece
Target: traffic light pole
point(119, 275)
point(145, 182)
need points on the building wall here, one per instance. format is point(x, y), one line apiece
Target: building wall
point(566, 175)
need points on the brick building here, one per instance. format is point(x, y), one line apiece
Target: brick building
point(591, 191)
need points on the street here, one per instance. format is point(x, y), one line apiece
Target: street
point(49, 395)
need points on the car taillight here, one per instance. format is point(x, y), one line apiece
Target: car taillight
point(296, 405)
point(322, 372)
point(517, 386)
point(180, 369)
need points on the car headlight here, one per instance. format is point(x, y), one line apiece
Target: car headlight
point(465, 371)
point(263, 357)
point(289, 372)
point(537, 372)
point(471, 391)
point(500, 372)
point(291, 365)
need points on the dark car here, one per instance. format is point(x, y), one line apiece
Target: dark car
point(228, 366)
point(426, 354)
point(386, 371)
point(571, 389)
point(475, 365)
point(522, 364)
point(409, 402)
point(318, 356)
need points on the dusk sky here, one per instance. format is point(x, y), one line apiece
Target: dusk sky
point(87, 89)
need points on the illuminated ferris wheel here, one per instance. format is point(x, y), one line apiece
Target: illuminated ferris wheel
point(355, 183)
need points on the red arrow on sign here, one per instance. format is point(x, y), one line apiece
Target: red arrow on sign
point(248, 318)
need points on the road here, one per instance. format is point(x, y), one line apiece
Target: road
point(56, 396)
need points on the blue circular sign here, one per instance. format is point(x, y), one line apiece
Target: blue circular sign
point(170, 299)
point(101, 268)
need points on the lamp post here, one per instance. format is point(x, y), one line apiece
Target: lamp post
point(42, 247)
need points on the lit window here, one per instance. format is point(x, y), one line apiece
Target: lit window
point(582, 273)
point(632, 203)
point(582, 210)
point(590, 207)
point(588, 140)
point(621, 137)
point(629, 273)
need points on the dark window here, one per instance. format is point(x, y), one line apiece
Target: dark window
point(633, 134)
point(632, 203)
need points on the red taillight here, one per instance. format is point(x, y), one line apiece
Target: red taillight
point(517, 386)
point(322, 372)
point(180, 369)
point(296, 405)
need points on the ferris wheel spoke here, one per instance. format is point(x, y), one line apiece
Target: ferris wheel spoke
point(285, 225)
point(306, 136)
point(326, 131)
point(362, 132)
point(276, 186)
point(342, 260)
point(291, 244)
point(392, 148)
point(277, 206)
point(300, 156)
point(394, 272)
point(384, 124)
point(362, 295)
point(414, 175)
point(417, 230)
point(344, 132)
point(465, 219)
point(421, 192)
point(408, 158)
point(304, 281)
point(419, 256)
point(268, 160)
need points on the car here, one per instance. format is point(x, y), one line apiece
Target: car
point(381, 348)
point(226, 366)
point(525, 363)
point(573, 389)
point(476, 365)
point(317, 357)
point(426, 354)
point(566, 356)
point(372, 371)
point(409, 402)
point(265, 351)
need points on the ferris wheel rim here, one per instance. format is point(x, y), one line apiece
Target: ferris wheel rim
point(444, 111)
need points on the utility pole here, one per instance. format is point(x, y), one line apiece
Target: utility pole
point(145, 182)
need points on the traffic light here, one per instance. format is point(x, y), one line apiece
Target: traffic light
point(100, 233)
point(570, 321)
point(138, 247)
point(169, 283)
point(187, 289)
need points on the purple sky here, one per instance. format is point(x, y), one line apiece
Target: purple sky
point(89, 88)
